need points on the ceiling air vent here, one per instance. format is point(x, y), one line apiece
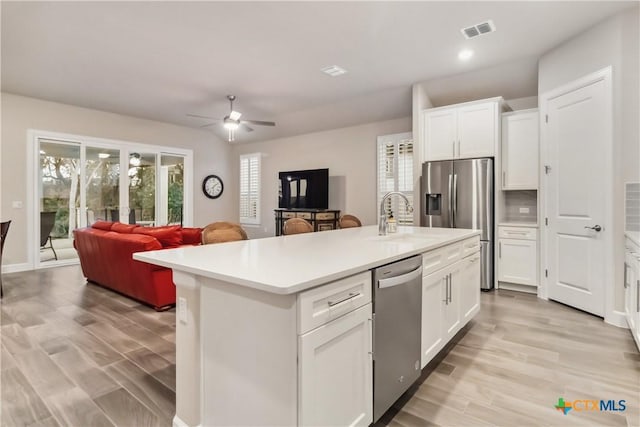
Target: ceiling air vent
point(478, 29)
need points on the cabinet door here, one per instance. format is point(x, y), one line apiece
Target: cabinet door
point(520, 151)
point(477, 133)
point(469, 286)
point(517, 261)
point(335, 372)
point(439, 134)
point(630, 290)
point(433, 296)
point(452, 320)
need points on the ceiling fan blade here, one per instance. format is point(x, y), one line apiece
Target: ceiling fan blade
point(209, 124)
point(203, 117)
point(259, 122)
point(246, 128)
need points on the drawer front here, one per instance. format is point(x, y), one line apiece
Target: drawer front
point(288, 214)
point(304, 215)
point(320, 305)
point(325, 215)
point(522, 233)
point(439, 258)
point(470, 246)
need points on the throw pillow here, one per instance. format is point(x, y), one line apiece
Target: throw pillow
point(102, 225)
point(119, 227)
point(169, 236)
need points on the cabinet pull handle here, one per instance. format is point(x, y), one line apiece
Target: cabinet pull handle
point(450, 287)
point(347, 298)
point(500, 250)
point(503, 178)
point(446, 290)
point(626, 285)
point(453, 146)
point(458, 148)
point(517, 232)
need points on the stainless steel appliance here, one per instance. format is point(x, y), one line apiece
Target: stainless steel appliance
point(459, 194)
point(397, 307)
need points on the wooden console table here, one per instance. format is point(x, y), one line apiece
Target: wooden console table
point(320, 219)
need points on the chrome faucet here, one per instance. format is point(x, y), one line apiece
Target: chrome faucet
point(383, 223)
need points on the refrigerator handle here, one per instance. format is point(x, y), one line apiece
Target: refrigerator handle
point(455, 199)
point(450, 201)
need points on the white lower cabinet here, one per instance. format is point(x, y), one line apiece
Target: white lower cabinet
point(335, 372)
point(450, 298)
point(632, 289)
point(517, 261)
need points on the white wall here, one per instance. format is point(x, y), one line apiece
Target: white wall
point(613, 42)
point(21, 113)
point(350, 155)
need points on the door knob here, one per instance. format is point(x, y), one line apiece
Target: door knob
point(594, 228)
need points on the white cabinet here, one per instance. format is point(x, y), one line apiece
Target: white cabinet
point(469, 295)
point(632, 289)
point(450, 298)
point(520, 148)
point(461, 131)
point(518, 256)
point(335, 372)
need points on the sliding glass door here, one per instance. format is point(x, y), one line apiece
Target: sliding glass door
point(80, 182)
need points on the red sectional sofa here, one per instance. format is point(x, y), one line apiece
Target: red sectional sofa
point(105, 250)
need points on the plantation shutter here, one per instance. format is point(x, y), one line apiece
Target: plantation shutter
point(250, 189)
point(395, 173)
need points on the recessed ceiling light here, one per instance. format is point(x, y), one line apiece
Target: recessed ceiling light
point(465, 54)
point(104, 155)
point(334, 70)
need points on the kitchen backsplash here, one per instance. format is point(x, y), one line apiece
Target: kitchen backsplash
point(517, 201)
point(632, 206)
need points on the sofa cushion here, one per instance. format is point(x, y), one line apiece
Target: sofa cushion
point(102, 225)
point(119, 227)
point(191, 236)
point(169, 236)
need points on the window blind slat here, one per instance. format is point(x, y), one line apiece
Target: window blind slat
point(250, 188)
point(395, 173)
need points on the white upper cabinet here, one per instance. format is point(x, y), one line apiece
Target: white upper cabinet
point(462, 131)
point(520, 150)
point(440, 129)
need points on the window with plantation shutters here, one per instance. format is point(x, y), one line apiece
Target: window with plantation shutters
point(395, 173)
point(250, 188)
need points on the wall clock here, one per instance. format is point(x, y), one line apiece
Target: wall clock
point(212, 186)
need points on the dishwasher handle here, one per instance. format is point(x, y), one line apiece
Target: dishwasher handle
point(399, 280)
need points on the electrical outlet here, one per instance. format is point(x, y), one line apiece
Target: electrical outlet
point(182, 309)
point(524, 210)
point(17, 204)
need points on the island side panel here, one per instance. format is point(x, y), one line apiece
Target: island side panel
point(249, 356)
point(188, 372)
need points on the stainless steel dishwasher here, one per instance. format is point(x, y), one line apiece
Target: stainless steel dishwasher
point(397, 306)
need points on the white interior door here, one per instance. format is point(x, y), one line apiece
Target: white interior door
point(577, 140)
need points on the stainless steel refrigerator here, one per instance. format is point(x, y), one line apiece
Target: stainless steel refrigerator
point(459, 194)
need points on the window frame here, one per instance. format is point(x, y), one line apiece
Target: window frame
point(396, 203)
point(250, 220)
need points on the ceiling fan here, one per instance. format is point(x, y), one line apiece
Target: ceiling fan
point(232, 121)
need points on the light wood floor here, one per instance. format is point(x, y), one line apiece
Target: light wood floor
point(79, 355)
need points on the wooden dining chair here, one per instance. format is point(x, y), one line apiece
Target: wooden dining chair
point(4, 230)
point(223, 231)
point(297, 226)
point(349, 221)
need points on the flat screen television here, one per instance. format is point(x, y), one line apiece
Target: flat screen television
point(308, 189)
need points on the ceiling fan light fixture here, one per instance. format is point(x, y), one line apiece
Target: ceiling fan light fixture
point(234, 115)
point(231, 124)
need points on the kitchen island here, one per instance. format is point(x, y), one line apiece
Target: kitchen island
point(277, 331)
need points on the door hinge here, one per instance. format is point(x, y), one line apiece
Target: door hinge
point(546, 118)
point(546, 221)
point(546, 273)
point(547, 169)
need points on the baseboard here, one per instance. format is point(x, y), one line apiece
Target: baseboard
point(617, 318)
point(177, 422)
point(16, 268)
point(517, 287)
point(61, 263)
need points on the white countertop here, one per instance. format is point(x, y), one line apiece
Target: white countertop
point(518, 224)
point(290, 264)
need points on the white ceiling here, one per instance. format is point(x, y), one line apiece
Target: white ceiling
point(162, 60)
